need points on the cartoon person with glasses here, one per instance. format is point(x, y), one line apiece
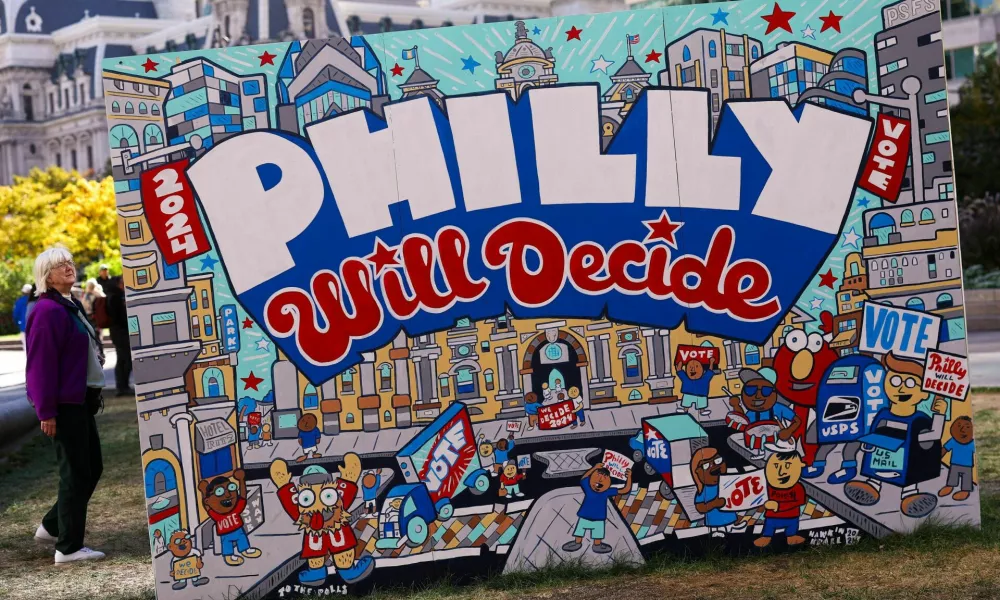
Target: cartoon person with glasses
point(707, 467)
point(759, 402)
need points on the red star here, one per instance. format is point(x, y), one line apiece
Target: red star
point(778, 19)
point(831, 21)
point(247, 323)
point(397, 70)
point(827, 279)
point(573, 33)
point(267, 58)
point(149, 65)
point(251, 382)
point(662, 229)
point(654, 56)
point(383, 256)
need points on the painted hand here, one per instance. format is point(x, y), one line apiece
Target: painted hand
point(279, 473)
point(239, 475)
point(771, 505)
point(351, 469)
point(939, 406)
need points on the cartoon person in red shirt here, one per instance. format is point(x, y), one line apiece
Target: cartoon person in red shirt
point(224, 501)
point(510, 479)
point(319, 507)
point(785, 498)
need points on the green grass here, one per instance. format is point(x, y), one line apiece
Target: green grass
point(936, 561)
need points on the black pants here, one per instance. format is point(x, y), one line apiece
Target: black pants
point(123, 368)
point(78, 453)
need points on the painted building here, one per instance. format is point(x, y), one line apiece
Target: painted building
point(419, 83)
point(212, 376)
point(789, 71)
point(848, 72)
point(525, 65)
point(850, 298)
point(713, 59)
point(626, 84)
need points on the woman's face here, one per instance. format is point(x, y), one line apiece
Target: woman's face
point(63, 276)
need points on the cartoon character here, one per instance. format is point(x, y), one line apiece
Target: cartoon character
point(904, 447)
point(785, 497)
point(707, 467)
point(963, 451)
point(318, 506)
point(510, 480)
point(695, 382)
point(799, 364)
point(593, 512)
point(309, 436)
point(253, 435)
point(186, 563)
point(158, 546)
point(501, 451)
point(579, 417)
point(369, 491)
point(758, 402)
point(531, 407)
point(266, 435)
point(486, 457)
point(224, 500)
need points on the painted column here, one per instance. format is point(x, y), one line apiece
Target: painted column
point(369, 402)
point(182, 423)
point(501, 370)
point(512, 362)
point(402, 399)
point(594, 373)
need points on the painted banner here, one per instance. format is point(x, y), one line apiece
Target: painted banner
point(946, 375)
point(416, 257)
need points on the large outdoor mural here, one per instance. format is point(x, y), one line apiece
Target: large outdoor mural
point(492, 298)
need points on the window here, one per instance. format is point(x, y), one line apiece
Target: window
point(72, 158)
point(142, 277)
point(906, 218)
point(129, 109)
point(195, 327)
point(155, 110)
point(634, 396)
point(119, 84)
point(349, 418)
point(251, 88)
point(711, 49)
point(133, 330)
point(66, 97)
point(633, 368)
point(386, 416)
point(894, 263)
point(142, 108)
point(465, 381)
point(945, 301)
point(204, 298)
point(310, 399)
point(686, 53)
point(216, 462)
point(309, 23)
point(488, 377)
point(885, 264)
point(83, 93)
point(134, 230)
point(932, 266)
point(385, 377)
point(443, 383)
point(347, 382)
point(164, 328)
point(194, 301)
point(926, 216)
point(629, 95)
point(713, 76)
point(115, 107)
point(754, 52)
point(752, 355)
point(485, 346)
point(944, 213)
point(208, 325)
point(715, 102)
point(52, 104)
point(90, 157)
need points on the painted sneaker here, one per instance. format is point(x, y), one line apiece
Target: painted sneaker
point(847, 472)
point(959, 496)
point(861, 492)
point(312, 577)
point(252, 552)
point(361, 569)
point(942, 492)
point(81, 554)
point(602, 548)
point(918, 505)
point(43, 536)
point(572, 546)
point(234, 560)
point(815, 470)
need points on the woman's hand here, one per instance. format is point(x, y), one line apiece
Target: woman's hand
point(49, 427)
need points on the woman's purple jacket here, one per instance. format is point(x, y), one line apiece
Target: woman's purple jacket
point(57, 355)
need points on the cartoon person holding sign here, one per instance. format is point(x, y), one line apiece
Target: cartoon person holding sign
point(707, 467)
point(785, 497)
point(695, 382)
point(593, 513)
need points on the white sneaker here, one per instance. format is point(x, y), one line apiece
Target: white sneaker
point(42, 535)
point(81, 554)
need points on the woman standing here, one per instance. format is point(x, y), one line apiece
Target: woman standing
point(65, 376)
point(91, 293)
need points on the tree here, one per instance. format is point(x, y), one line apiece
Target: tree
point(975, 127)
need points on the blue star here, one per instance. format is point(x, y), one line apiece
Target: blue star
point(720, 16)
point(208, 263)
point(470, 64)
point(536, 30)
point(863, 202)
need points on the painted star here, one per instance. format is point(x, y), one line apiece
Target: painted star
point(397, 70)
point(470, 64)
point(247, 323)
point(809, 32)
point(653, 56)
point(827, 279)
point(601, 64)
point(662, 229)
point(536, 30)
point(382, 257)
point(263, 345)
point(720, 16)
point(778, 19)
point(863, 202)
point(816, 303)
point(149, 65)
point(831, 21)
point(851, 238)
point(251, 382)
point(267, 58)
point(573, 34)
point(208, 263)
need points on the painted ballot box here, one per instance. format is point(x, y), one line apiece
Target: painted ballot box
point(395, 298)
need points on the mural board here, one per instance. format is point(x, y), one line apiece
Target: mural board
point(394, 298)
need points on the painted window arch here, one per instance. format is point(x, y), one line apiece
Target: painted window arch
point(629, 94)
point(123, 136)
point(894, 263)
point(712, 48)
point(213, 383)
point(686, 55)
point(445, 385)
point(115, 107)
point(632, 365)
point(350, 418)
point(945, 300)
point(855, 269)
point(310, 399)
point(752, 355)
point(385, 377)
point(387, 417)
point(488, 378)
point(906, 217)
point(926, 215)
point(129, 108)
point(155, 110)
point(160, 477)
point(347, 381)
point(208, 326)
point(754, 52)
point(465, 381)
point(634, 395)
point(915, 304)
point(142, 108)
point(152, 134)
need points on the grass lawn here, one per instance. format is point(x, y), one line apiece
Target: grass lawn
point(935, 562)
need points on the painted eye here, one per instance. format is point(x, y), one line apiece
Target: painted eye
point(718, 460)
point(706, 466)
point(911, 382)
point(796, 340)
point(815, 342)
point(329, 496)
point(233, 487)
point(306, 498)
point(895, 381)
point(220, 491)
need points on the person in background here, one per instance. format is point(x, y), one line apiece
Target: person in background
point(64, 378)
point(21, 312)
point(104, 280)
point(118, 324)
point(91, 293)
point(32, 301)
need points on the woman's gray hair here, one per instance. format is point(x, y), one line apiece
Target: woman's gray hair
point(44, 265)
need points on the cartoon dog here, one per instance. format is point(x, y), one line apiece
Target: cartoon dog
point(319, 506)
point(224, 500)
point(186, 563)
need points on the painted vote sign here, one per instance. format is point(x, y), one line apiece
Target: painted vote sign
point(426, 253)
